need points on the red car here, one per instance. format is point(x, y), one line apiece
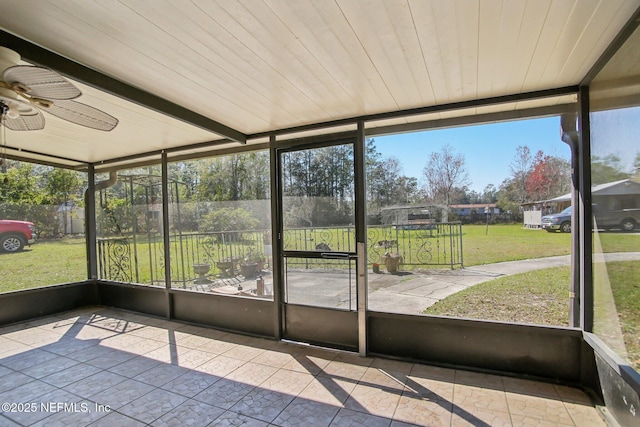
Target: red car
point(15, 235)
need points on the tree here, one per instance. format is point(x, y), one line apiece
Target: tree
point(445, 171)
point(489, 194)
point(520, 168)
point(243, 176)
point(550, 177)
point(607, 169)
point(64, 188)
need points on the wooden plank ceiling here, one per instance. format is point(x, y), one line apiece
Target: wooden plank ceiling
point(262, 65)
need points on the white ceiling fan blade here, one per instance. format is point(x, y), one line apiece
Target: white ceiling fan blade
point(25, 122)
point(82, 114)
point(42, 82)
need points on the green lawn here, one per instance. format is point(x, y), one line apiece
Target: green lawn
point(625, 287)
point(510, 242)
point(45, 263)
point(539, 297)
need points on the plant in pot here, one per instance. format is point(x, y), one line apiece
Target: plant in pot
point(251, 264)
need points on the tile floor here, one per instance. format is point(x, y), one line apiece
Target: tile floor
point(104, 367)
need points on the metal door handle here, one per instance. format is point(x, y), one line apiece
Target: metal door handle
point(338, 255)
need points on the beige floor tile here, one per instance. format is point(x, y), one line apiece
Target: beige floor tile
point(83, 414)
point(188, 340)
point(530, 388)
point(472, 398)
point(168, 353)
point(153, 332)
point(220, 366)
point(134, 366)
point(152, 405)
point(434, 389)
point(191, 383)
point(479, 380)
point(27, 359)
point(350, 418)
point(122, 393)
point(545, 409)
point(117, 419)
point(26, 392)
point(480, 417)
point(10, 348)
point(49, 367)
point(217, 346)
point(111, 359)
point(70, 375)
point(339, 369)
point(94, 384)
point(572, 394)
point(276, 359)
point(33, 337)
point(122, 342)
point(311, 362)
point(382, 378)
point(331, 391)
point(4, 371)
point(224, 393)
point(289, 382)
point(303, 412)
point(423, 411)
point(190, 413)
point(234, 419)
point(159, 372)
point(252, 373)
point(42, 410)
point(526, 421)
point(373, 400)
point(433, 372)
point(584, 415)
point(194, 358)
point(262, 404)
point(392, 365)
point(244, 352)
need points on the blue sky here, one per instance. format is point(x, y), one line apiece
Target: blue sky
point(488, 149)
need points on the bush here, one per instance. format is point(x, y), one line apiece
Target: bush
point(229, 219)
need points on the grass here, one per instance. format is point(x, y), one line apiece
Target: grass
point(626, 293)
point(538, 297)
point(43, 264)
point(541, 297)
point(510, 242)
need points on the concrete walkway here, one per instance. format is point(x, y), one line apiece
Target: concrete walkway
point(404, 292)
point(411, 293)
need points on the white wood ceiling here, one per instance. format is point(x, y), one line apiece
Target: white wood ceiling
point(263, 65)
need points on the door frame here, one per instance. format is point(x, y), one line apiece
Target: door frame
point(349, 338)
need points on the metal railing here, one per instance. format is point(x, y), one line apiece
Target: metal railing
point(139, 259)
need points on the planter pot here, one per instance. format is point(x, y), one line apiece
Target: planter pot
point(201, 270)
point(392, 262)
point(227, 267)
point(249, 271)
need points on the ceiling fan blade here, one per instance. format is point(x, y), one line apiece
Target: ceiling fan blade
point(82, 114)
point(42, 82)
point(25, 122)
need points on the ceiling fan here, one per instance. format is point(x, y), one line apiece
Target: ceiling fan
point(27, 90)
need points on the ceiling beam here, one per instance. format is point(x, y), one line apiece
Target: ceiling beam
point(43, 57)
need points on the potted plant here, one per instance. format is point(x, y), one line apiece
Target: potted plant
point(392, 262)
point(251, 264)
